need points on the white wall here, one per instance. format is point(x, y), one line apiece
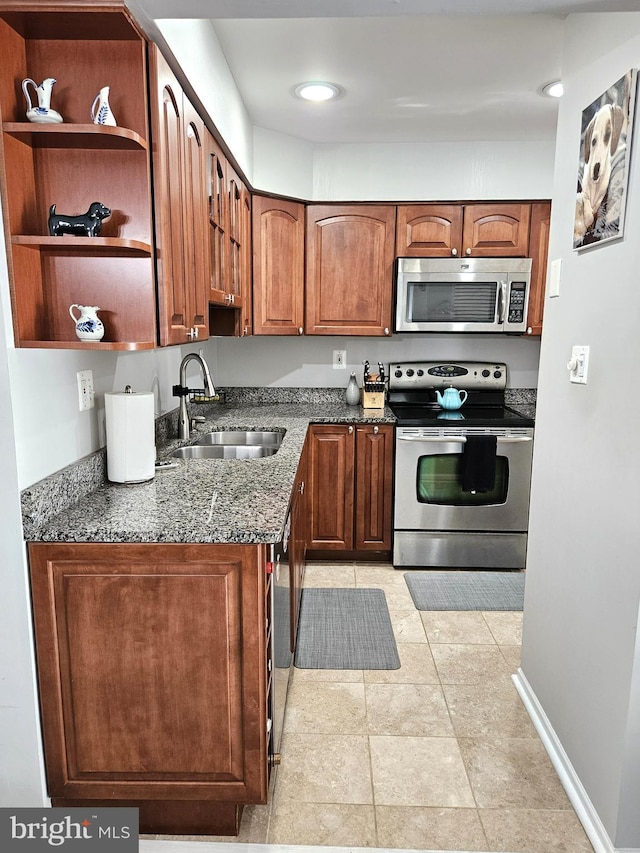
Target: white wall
point(308, 361)
point(580, 645)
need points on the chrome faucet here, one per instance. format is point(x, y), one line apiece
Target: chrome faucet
point(182, 391)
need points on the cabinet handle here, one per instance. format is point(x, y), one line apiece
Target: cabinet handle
point(529, 330)
point(386, 330)
point(468, 252)
point(350, 430)
point(376, 430)
point(300, 330)
point(230, 298)
point(301, 488)
point(191, 334)
point(454, 252)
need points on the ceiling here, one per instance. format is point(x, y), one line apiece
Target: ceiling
point(411, 70)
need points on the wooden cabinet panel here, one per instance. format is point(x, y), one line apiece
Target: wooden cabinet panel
point(351, 476)
point(429, 230)
point(331, 467)
point(491, 230)
point(151, 663)
point(349, 269)
point(278, 267)
point(181, 208)
point(538, 249)
point(44, 164)
point(218, 220)
point(374, 487)
point(299, 538)
point(452, 230)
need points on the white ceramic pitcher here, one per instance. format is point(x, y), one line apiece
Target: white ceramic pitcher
point(43, 113)
point(100, 109)
point(89, 326)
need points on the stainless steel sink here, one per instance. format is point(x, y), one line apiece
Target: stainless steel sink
point(224, 451)
point(267, 438)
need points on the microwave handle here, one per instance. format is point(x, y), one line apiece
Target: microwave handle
point(502, 298)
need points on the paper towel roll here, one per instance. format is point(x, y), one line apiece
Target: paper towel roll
point(131, 452)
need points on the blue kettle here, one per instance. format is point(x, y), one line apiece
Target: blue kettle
point(451, 398)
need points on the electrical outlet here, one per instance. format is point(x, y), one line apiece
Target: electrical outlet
point(339, 359)
point(86, 394)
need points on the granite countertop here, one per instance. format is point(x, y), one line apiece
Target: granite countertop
point(205, 500)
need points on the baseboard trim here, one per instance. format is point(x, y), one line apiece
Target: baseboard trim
point(579, 798)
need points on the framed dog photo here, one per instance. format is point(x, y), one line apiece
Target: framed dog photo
point(603, 168)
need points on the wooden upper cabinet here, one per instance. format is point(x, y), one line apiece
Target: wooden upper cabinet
point(538, 249)
point(496, 230)
point(455, 230)
point(349, 269)
point(218, 204)
point(278, 266)
point(71, 164)
point(429, 230)
point(181, 208)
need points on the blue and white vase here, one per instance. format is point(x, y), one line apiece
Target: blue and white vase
point(89, 326)
point(100, 109)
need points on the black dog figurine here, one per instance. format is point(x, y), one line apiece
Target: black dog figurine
point(88, 224)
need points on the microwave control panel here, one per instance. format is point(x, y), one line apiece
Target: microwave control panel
point(517, 299)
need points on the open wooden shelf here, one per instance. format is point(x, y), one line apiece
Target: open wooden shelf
point(83, 245)
point(88, 136)
point(94, 345)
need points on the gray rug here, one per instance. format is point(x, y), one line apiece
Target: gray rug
point(471, 590)
point(345, 629)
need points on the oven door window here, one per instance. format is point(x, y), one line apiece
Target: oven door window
point(439, 482)
point(455, 302)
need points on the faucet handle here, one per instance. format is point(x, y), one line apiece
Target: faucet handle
point(180, 391)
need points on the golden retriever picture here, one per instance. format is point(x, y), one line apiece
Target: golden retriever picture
point(604, 158)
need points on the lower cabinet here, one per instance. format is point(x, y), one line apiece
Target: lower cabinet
point(153, 674)
point(350, 485)
point(299, 538)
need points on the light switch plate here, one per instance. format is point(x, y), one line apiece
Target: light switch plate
point(86, 395)
point(554, 277)
point(578, 365)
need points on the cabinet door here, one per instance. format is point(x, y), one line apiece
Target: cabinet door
point(278, 267)
point(349, 278)
point(374, 483)
point(429, 230)
point(152, 673)
point(298, 541)
point(218, 221)
point(496, 230)
point(180, 206)
point(245, 314)
point(331, 471)
point(538, 250)
point(197, 267)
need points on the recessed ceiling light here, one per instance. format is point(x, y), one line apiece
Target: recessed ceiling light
point(317, 91)
point(555, 89)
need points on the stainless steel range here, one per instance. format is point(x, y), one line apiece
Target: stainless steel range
point(463, 475)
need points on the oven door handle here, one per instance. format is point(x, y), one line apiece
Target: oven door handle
point(505, 439)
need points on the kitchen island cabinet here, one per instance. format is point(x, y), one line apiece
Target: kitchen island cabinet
point(349, 269)
point(152, 665)
point(499, 229)
point(350, 481)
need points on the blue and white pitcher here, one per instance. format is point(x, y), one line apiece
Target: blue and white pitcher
point(42, 114)
point(89, 326)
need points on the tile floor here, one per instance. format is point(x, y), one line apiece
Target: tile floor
point(437, 755)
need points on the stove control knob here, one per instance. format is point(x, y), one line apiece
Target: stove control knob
point(420, 372)
point(486, 373)
point(497, 374)
point(398, 374)
point(410, 372)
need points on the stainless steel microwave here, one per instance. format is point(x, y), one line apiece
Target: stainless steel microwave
point(462, 294)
